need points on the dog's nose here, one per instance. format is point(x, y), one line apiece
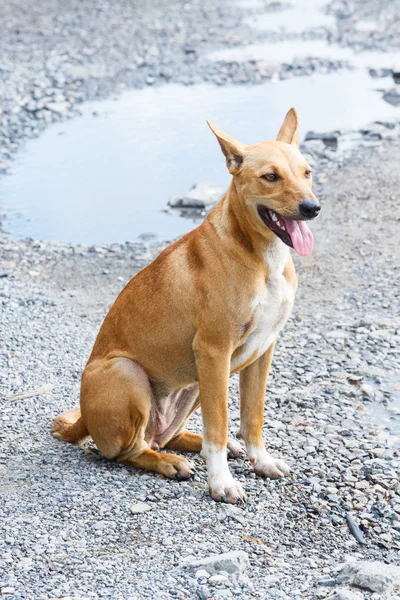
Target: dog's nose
point(309, 209)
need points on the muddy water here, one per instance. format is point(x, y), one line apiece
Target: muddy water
point(105, 176)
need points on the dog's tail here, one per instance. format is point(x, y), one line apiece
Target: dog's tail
point(69, 426)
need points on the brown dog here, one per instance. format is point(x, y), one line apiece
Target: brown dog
point(210, 305)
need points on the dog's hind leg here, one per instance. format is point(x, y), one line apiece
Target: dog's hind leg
point(69, 426)
point(170, 465)
point(186, 441)
point(116, 402)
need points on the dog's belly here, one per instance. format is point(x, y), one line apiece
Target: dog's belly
point(169, 412)
point(270, 312)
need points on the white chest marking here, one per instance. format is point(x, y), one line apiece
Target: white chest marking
point(270, 309)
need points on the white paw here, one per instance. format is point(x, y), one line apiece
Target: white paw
point(266, 465)
point(221, 483)
point(235, 449)
point(226, 489)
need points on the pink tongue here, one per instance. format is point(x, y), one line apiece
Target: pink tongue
point(301, 236)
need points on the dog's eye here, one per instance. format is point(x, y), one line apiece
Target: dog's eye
point(270, 177)
point(307, 173)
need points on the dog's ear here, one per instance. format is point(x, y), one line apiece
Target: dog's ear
point(289, 131)
point(232, 149)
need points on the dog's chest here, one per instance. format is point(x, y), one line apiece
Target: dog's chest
point(269, 312)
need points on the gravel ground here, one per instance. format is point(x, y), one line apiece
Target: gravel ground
point(75, 532)
point(367, 24)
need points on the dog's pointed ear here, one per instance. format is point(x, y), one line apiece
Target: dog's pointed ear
point(289, 131)
point(231, 148)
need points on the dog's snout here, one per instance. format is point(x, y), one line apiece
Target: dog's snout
point(309, 209)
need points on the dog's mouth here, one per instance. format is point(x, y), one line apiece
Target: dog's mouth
point(295, 234)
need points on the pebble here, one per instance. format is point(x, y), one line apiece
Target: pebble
point(218, 579)
point(346, 594)
point(140, 507)
point(202, 573)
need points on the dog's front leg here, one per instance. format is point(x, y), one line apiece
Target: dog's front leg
point(213, 368)
point(253, 381)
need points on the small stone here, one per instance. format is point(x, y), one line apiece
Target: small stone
point(58, 107)
point(218, 579)
point(201, 573)
point(234, 512)
point(346, 594)
point(140, 507)
point(203, 592)
point(367, 390)
point(333, 498)
point(361, 485)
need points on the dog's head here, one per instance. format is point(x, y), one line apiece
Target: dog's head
point(273, 182)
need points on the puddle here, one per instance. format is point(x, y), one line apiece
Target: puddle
point(106, 178)
point(288, 51)
point(293, 18)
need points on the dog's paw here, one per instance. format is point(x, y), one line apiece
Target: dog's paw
point(235, 449)
point(266, 465)
point(223, 487)
point(175, 467)
point(227, 490)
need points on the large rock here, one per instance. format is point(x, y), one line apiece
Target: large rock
point(314, 147)
point(392, 97)
point(235, 562)
point(374, 576)
point(200, 196)
point(330, 139)
point(379, 131)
